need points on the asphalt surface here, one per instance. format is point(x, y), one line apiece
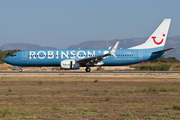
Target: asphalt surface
point(84, 73)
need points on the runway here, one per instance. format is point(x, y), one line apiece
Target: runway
point(85, 73)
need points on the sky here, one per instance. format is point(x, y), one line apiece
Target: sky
point(61, 23)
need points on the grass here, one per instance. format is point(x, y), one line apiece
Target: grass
point(152, 88)
point(160, 114)
point(87, 89)
point(28, 117)
point(105, 100)
point(126, 114)
point(107, 97)
point(123, 89)
point(142, 89)
point(79, 112)
point(150, 117)
point(168, 89)
point(75, 82)
point(17, 112)
point(21, 96)
point(62, 82)
point(95, 92)
point(55, 106)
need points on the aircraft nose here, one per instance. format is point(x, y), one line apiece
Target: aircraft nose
point(6, 60)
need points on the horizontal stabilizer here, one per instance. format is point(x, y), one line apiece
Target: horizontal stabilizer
point(161, 51)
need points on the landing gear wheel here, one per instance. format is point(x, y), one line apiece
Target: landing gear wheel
point(20, 70)
point(88, 69)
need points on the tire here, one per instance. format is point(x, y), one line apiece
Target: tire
point(88, 69)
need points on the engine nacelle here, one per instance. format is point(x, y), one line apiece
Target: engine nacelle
point(69, 64)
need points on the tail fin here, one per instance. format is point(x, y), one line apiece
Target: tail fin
point(158, 38)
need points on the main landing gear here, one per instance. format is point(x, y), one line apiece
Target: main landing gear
point(20, 70)
point(88, 69)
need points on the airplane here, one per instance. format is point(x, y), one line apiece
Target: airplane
point(76, 58)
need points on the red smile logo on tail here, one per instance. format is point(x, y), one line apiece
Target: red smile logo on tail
point(158, 43)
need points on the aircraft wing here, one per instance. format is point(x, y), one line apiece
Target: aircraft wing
point(161, 51)
point(98, 58)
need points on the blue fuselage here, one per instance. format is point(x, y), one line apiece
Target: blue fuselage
point(55, 56)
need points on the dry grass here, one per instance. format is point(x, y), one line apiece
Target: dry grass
point(79, 97)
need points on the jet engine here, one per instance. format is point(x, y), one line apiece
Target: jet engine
point(69, 64)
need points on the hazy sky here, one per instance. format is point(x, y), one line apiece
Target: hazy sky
point(61, 23)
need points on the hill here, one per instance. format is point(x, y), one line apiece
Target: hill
point(126, 43)
point(22, 46)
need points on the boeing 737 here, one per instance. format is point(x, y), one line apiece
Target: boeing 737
point(75, 58)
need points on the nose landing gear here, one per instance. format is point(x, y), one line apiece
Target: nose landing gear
point(88, 69)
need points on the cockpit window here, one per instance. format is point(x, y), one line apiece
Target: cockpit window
point(13, 55)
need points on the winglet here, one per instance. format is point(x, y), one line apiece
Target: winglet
point(113, 50)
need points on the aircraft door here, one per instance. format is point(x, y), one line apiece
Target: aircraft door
point(70, 64)
point(140, 55)
point(24, 55)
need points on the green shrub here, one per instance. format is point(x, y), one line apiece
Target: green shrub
point(55, 106)
point(163, 59)
point(20, 96)
point(106, 91)
point(168, 89)
point(160, 114)
point(107, 97)
point(6, 112)
point(150, 117)
point(164, 89)
point(99, 68)
point(87, 89)
point(152, 88)
point(106, 116)
point(28, 117)
point(158, 67)
point(75, 82)
point(173, 89)
point(10, 90)
point(79, 112)
point(176, 106)
point(40, 82)
point(126, 114)
point(17, 112)
point(95, 80)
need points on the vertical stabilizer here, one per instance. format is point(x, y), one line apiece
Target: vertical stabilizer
point(158, 38)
